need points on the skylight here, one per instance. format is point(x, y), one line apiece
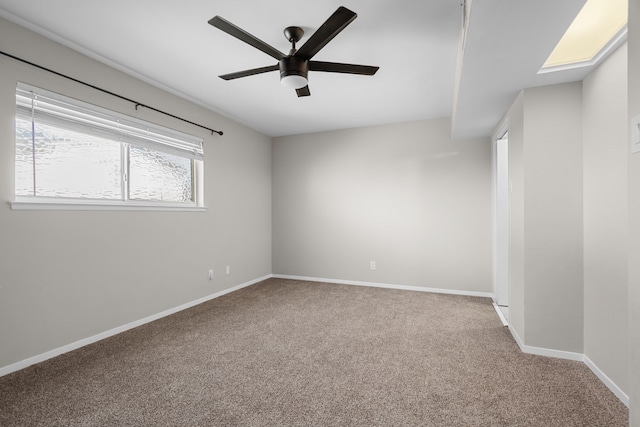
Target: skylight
point(599, 28)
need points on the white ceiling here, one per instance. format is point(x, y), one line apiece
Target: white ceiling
point(415, 43)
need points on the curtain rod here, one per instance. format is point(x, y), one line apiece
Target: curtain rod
point(137, 104)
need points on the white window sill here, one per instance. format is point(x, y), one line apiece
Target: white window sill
point(45, 204)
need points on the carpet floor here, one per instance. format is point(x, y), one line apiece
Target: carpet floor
point(294, 353)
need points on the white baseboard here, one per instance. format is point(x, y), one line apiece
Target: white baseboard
point(386, 285)
point(624, 398)
point(90, 340)
point(573, 356)
point(541, 351)
point(504, 321)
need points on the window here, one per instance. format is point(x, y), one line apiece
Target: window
point(599, 29)
point(72, 153)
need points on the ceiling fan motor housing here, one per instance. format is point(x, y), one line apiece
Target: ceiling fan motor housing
point(294, 66)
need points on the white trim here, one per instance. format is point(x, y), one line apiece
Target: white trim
point(386, 285)
point(111, 332)
point(500, 315)
point(52, 204)
point(501, 130)
point(616, 41)
point(541, 351)
point(624, 398)
point(607, 381)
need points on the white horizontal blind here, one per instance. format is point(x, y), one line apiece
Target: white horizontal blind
point(68, 113)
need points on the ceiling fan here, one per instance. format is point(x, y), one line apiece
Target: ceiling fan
point(295, 66)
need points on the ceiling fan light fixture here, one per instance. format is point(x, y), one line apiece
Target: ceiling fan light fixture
point(293, 81)
point(294, 72)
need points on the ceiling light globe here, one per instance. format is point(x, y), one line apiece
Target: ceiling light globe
point(293, 81)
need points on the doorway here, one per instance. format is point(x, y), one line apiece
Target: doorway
point(501, 226)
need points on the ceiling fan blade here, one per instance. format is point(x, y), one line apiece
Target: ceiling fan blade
point(335, 67)
point(303, 91)
point(241, 34)
point(332, 26)
point(247, 73)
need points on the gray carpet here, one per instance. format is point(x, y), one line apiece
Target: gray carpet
point(286, 352)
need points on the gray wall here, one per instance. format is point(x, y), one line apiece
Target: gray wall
point(569, 218)
point(606, 143)
point(403, 195)
point(546, 216)
point(553, 217)
point(634, 213)
point(68, 275)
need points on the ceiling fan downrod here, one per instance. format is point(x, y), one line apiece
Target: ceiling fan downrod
point(294, 35)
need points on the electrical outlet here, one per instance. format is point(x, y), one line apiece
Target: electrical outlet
point(372, 265)
point(228, 270)
point(210, 274)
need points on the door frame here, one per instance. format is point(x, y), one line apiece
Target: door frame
point(499, 296)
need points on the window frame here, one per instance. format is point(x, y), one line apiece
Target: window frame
point(34, 202)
